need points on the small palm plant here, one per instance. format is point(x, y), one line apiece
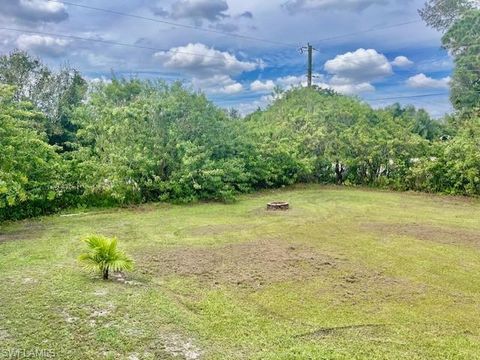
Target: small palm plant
point(105, 256)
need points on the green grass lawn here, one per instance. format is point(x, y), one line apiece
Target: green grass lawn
point(344, 274)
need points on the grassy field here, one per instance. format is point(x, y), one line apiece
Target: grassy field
point(345, 274)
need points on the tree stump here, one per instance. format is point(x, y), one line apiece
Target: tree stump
point(278, 206)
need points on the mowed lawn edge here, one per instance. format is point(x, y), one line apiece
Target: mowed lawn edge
point(344, 274)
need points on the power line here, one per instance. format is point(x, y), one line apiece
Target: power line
point(375, 28)
point(407, 97)
point(74, 37)
point(110, 42)
point(231, 34)
point(198, 28)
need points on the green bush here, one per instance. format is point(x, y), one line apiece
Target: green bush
point(140, 141)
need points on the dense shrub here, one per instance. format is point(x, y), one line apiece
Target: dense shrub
point(147, 141)
point(455, 168)
point(30, 169)
point(139, 141)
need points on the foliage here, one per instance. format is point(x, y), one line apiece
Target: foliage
point(144, 141)
point(456, 167)
point(441, 14)
point(54, 94)
point(103, 255)
point(321, 128)
point(460, 22)
point(134, 141)
point(463, 41)
point(30, 168)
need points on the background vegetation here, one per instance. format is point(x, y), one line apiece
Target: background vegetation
point(64, 143)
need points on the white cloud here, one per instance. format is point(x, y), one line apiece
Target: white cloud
point(290, 80)
point(340, 85)
point(295, 6)
point(421, 81)
point(98, 80)
point(45, 45)
point(232, 88)
point(402, 62)
point(359, 66)
point(249, 107)
point(202, 61)
point(212, 70)
point(216, 84)
point(35, 10)
point(258, 85)
point(348, 89)
point(353, 72)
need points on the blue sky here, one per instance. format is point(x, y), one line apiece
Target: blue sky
point(399, 57)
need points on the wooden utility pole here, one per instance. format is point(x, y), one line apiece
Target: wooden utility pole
point(310, 64)
point(309, 48)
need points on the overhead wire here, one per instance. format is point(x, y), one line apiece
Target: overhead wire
point(171, 23)
point(406, 97)
point(373, 29)
point(110, 42)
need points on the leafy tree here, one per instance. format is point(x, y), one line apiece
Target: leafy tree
point(53, 94)
point(463, 40)
point(30, 169)
point(321, 133)
point(460, 22)
point(441, 14)
point(455, 166)
point(143, 141)
point(104, 256)
point(418, 120)
point(138, 141)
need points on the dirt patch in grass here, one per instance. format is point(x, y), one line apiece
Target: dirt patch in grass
point(181, 347)
point(252, 264)
point(4, 335)
point(259, 264)
point(373, 287)
point(213, 230)
point(356, 330)
point(426, 232)
point(28, 231)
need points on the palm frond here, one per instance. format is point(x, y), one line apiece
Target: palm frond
point(103, 255)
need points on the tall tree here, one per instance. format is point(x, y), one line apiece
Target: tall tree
point(55, 94)
point(463, 40)
point(29, 168)
point(460, 22)
point(441, 14)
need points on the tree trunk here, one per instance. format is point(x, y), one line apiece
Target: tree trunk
point(105, 274)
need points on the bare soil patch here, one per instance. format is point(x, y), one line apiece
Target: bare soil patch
point(213, 230)
point(438, 234)
point(181, 347)
point(366, 286)
point(258, 264)
point(28, 232)
point(355, 329)
point(252, 264)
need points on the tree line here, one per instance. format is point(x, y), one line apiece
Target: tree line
point(67, 143)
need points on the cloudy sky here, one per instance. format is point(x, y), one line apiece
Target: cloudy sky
point(237, 51)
